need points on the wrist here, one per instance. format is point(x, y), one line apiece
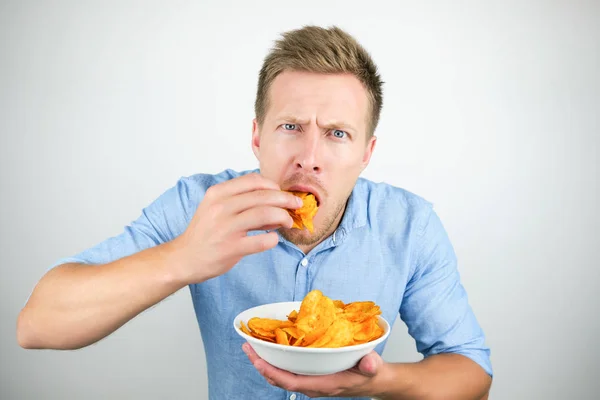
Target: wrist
point(174, 264)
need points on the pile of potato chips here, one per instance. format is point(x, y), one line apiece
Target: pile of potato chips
point(321, 322)
point(304, 215)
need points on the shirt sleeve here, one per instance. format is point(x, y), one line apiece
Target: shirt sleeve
point(159, 222)
point(435, 306)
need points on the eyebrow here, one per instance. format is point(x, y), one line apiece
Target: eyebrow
point(293, 119)
point(331, 124)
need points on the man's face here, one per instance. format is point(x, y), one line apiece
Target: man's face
point(314, 139)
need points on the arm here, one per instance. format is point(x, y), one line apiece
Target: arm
point(441, 376)
point(75, 305)
point(90, 296)
point(435, 308)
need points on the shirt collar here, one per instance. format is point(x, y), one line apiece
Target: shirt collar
point(355, 214)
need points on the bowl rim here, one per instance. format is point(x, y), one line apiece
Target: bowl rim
point(304, 350)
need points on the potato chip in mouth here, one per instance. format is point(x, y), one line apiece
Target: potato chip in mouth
point(303, 216)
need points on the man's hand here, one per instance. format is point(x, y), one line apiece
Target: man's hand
point(217, 236)
point(442, 376)
point(361, 380)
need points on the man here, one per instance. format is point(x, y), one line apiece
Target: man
point(229, 238)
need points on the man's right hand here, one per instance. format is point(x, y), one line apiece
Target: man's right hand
point(217, 236)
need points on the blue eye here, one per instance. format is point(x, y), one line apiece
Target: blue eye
point(289, 127)
point(338, 133)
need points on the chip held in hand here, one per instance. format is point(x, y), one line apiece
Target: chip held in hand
point(303, 216)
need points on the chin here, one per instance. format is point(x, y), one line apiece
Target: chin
point(299, 237)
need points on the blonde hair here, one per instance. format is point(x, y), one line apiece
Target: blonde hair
point(320, 50)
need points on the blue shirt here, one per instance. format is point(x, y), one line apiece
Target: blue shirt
point(390, 247)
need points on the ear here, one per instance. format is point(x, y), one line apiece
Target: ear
point(370, 147)
point(255, 138)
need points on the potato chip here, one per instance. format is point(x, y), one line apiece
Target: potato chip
point(281, 337)
point(293, 332)
point(339, 334)
point(360, 311)
point(320, 322)
point(299, 342)
point(316, 323)
point(303, 216)
point(264, 326)
point(292, 316)
point(339, 304)
point(366, 330)
point(309, 304)
point(244, 329)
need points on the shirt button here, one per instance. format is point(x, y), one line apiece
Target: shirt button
point(293, 396)
point(304, 263)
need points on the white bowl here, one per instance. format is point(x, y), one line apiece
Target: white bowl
point(302, 360)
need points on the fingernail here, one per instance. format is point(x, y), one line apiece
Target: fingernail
point(245, 348)
point(299, 201)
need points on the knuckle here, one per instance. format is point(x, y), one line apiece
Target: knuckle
point(255, 177)
point(210, 192)
point(286, 198)
point(263, 195)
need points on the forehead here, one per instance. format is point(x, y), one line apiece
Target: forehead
point(307, 95)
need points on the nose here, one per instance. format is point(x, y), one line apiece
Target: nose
point(307, 157)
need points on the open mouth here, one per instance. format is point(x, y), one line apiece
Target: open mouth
point(316, 198)
point(306, 189)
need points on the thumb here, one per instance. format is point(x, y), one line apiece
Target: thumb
point(370, 364)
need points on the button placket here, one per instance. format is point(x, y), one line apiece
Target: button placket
point(301, 279)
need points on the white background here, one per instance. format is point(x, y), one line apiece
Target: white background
point(491, 112)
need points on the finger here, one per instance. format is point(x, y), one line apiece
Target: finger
point(257, 243)
point(261, 216)
point(255, 359)
point(245, 183)
point(262, 197)
point(293, 382)
point(279, 377)
point(370, 364)
point(297, 383)
point(252, 356)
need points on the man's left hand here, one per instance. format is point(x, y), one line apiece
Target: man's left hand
point(356, 381)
